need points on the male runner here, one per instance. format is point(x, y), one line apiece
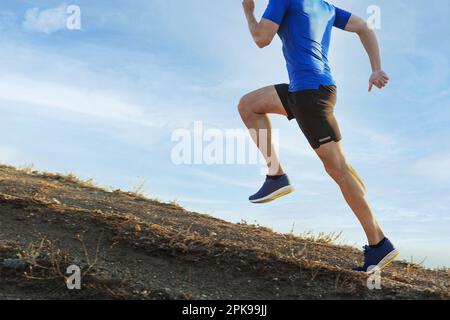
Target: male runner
point(304, 27)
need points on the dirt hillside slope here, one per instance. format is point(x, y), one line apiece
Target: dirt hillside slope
point(129, 247)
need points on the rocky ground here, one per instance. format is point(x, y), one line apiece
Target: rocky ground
point(130, 247)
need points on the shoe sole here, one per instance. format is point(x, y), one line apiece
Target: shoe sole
point(386, 261)
point(275, 195)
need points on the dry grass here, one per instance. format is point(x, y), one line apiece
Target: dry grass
point(334, 238)
point(45, 267)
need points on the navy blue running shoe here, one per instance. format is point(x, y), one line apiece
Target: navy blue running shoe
point(378, 257)
point(273, 188)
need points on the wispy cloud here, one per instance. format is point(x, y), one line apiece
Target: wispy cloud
point(75, 100)
point(9, 154)
point(209, 176)
point(45, 21)
point(436, 167)
point(7, 19)
point(201, 200)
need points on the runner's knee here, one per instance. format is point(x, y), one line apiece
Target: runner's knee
point(335, 165)
point(245, 106)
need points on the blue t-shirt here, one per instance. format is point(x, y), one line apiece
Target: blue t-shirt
point(305, 30)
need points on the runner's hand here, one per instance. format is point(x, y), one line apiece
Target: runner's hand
point(378, 79)
point(249, 6)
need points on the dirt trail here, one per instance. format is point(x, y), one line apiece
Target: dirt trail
point(132, 247)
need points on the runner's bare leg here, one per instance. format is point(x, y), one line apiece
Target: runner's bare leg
point(254, 108)
point(352, 188)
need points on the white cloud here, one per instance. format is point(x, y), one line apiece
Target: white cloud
point(9, 155)
point(46, 21)
point(101, 105)
point(435, 167)
point(223, 179)
point(201, 200)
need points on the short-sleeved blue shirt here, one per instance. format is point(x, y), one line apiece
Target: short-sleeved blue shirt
point(305, 30)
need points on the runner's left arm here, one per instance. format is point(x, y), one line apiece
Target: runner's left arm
point(357, 25)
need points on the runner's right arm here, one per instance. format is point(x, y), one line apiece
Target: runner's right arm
point(262, 32)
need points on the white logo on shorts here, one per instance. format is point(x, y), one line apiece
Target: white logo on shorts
point(325, 139)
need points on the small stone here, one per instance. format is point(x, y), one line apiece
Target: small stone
point(15, 264)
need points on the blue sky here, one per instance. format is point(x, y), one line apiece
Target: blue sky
point(103, 101)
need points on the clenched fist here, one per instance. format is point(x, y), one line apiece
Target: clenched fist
point(249, 6)
point(378, 79)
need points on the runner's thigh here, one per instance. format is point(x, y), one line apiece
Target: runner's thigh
point(263, 101)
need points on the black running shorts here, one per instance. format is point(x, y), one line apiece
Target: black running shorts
point(313, 110)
